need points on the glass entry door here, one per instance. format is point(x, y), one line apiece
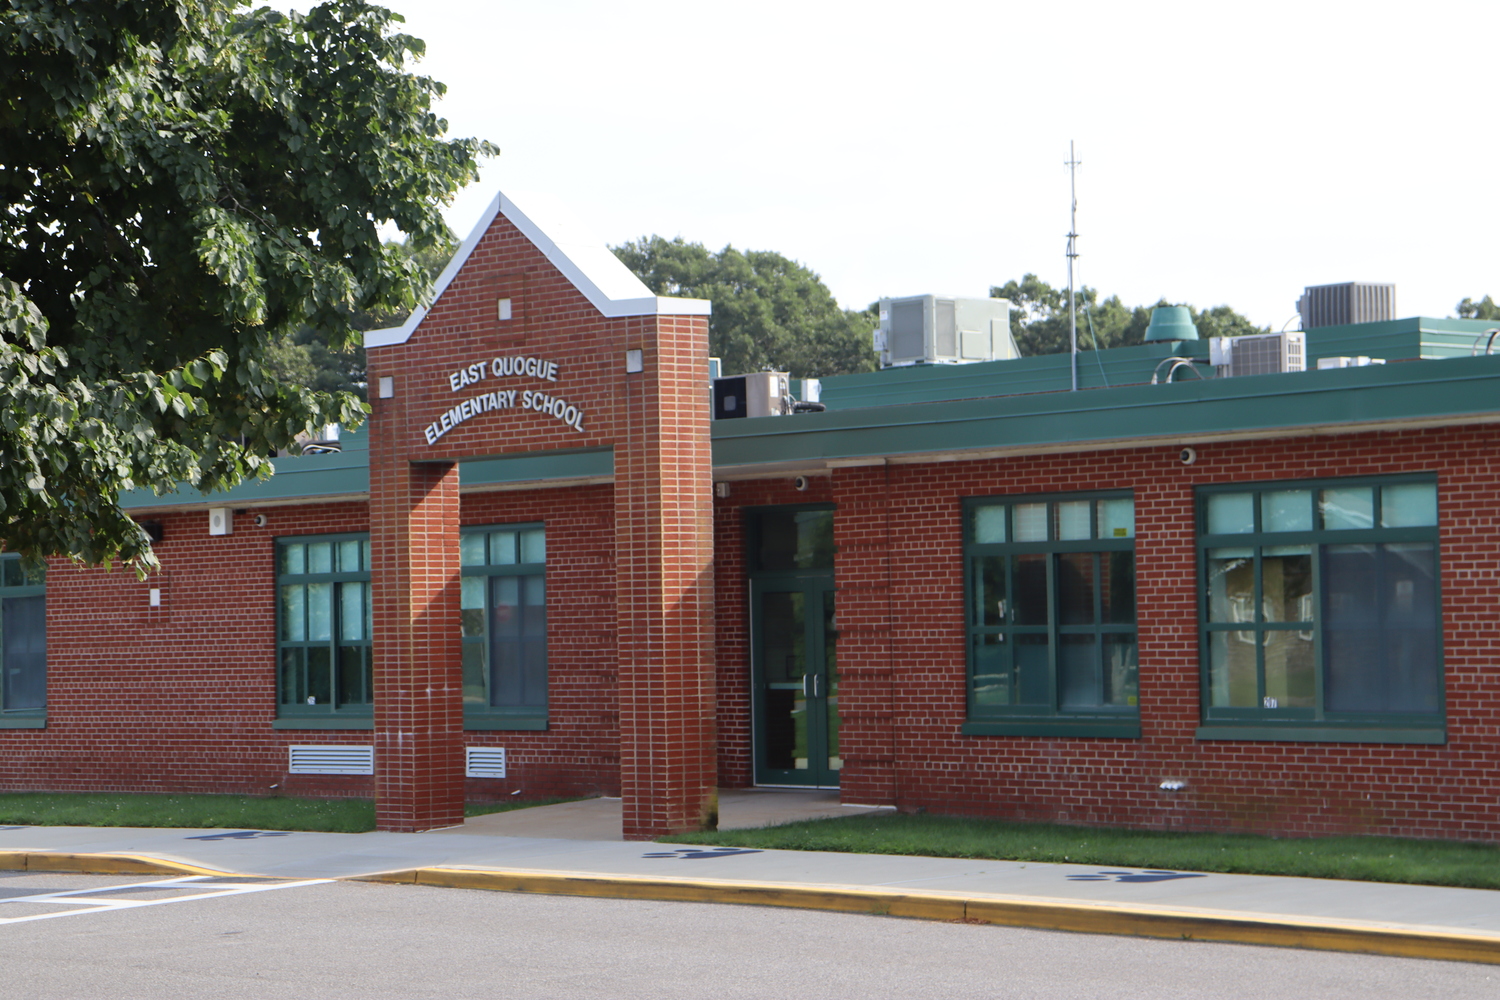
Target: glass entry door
point(795, 682)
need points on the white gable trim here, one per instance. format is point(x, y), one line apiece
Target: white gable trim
point(585, 261)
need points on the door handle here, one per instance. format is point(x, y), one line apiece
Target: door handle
point(805, 679)
point(817, 685)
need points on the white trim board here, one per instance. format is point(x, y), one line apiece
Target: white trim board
point(584, 260)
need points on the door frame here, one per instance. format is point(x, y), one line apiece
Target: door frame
point(815, 584)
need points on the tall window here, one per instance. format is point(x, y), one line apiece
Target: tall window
point(23, 643)
point(1051, 608)
point(1319, 611)
point(323, 587)
point(505, 627)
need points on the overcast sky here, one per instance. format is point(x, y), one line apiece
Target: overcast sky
point(1231, 153)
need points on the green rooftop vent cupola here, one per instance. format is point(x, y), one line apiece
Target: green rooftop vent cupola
point(1171, 323)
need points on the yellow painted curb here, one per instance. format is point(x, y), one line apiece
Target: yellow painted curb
point(1045, 914)
point(96, 864)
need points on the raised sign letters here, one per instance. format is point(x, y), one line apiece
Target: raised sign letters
point(504, 399)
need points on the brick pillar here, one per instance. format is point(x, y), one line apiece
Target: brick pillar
point(663, 581)
point(419, 783)
point(862, 567)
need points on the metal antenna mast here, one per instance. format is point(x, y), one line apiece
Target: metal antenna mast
point(1072, 166)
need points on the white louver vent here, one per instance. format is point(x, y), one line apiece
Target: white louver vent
point(484, 762)
point(331, 758)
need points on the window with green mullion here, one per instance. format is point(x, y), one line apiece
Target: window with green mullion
point(1052, 626)
point(1319, 610)
point(324, 628)
point(23, 643)
point(504, 612)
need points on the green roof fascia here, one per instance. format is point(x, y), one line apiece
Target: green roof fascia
point(347, 474)
point(1411, 338)
point(583, 463)
point(1040, 373)
point(296, 477)
point(1431, 391)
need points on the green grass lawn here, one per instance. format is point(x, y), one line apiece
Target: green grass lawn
point(1372, 859)
point(204, 811)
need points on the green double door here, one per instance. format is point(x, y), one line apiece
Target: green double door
point(795, 681)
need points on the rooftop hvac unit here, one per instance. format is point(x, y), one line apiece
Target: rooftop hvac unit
point(929, 329)
point(1345, 303)
point(759, 394)
point(1259, 354)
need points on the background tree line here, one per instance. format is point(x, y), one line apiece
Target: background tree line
point(1039, 318)
point(771, 312)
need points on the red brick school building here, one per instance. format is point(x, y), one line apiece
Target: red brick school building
point(1184, 596)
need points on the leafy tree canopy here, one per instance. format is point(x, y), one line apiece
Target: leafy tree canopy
point(768, 312)
point(306, 358)
point(1039, 318)
point(1485, 308)
point(183, 183)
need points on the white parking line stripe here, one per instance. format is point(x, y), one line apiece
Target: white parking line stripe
point(83, 898)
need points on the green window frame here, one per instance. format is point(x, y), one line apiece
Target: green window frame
point(1319, 610)
point(504, 612)
point(324, 676)
point(1050, 617)
point(23, 643)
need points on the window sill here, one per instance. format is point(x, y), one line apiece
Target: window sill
point(475, 721)
point(324, 722)
point(1431, 735)
point(23, 722)
point(1125, 729)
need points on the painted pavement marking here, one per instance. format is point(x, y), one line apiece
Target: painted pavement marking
point(98, 900)
point(1145, 875)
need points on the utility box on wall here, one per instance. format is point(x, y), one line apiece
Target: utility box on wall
point(220, 521)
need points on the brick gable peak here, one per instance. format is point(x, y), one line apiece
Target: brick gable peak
point(582, 258)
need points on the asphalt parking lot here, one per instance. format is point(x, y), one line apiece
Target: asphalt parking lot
point(230, 938)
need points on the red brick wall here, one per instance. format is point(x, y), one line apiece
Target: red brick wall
point(178, 698)
point(1289, 788)
point(181, 698)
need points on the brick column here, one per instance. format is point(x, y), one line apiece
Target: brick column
point(664, 587)
point(419, 783)
point(862, 535)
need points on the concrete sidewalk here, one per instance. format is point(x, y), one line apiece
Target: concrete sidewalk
point(1420, 921)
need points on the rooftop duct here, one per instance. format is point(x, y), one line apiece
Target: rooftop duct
point(1171, 323)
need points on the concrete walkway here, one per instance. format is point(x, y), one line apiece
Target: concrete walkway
point(572, 849)
point(599, 819)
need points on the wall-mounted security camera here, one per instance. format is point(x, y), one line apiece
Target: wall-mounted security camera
point(801, 483)
point(260, 520)
point(1187, 456)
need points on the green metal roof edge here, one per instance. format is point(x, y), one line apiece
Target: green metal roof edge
point(583, 463)
point(347, 474)
point(295, 478)
point(1038, 373)
point(1428, 337)
point(1190, 408)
